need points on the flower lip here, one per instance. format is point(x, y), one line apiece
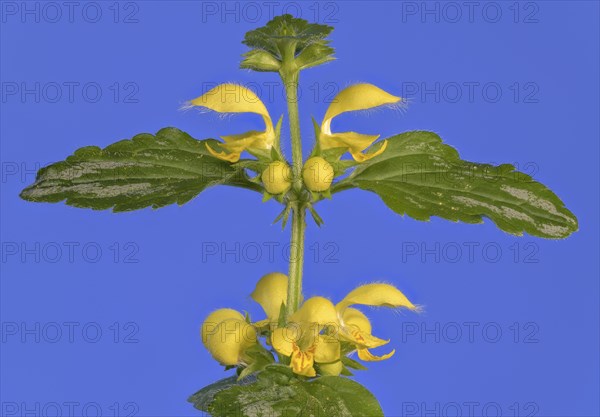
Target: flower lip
point(356, 97)
point(234, 98)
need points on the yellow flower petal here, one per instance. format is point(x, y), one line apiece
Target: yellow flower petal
point(270, 292)
point(284, 339)
point(354, 141)
point(233, 157)
point(302, 363)
point(233, 98)
point(367, 340)
point(230, 340)
point(331, 369)
point(317, 310)
point(327, 349)
point(215, 318)
point(356, 97)
point(356, 318)
point(378, 295)
point(367, 356)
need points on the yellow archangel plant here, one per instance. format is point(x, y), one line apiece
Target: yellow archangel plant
point(296, 360)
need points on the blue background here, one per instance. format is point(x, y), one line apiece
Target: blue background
point(170, 54)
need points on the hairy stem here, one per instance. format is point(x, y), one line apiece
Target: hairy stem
point(289, 75)
point(296, 259)
point(291, 92)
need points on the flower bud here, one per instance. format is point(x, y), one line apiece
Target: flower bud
point(277, 178)
point(260, 60)
point(229, 340)
point(215, 318)
point(317, 174)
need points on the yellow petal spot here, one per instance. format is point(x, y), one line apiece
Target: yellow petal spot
point(277, 178)
point(230, 340)
point(215, 318)
point(317, 174)
point(302, 362)
point(270, 292)
point(366, 340)
point(284, 341)
point(367, 356)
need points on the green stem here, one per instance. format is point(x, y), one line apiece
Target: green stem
point(289, 75)
point(291, 91)
point(296, 258)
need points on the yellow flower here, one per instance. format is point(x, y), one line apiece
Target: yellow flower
point(301, 340)
point(233, 98)
point(227, 335)
point(317, 174)
point(271, 292)
point(356, 327)
point(353, 98)
point(277, 178)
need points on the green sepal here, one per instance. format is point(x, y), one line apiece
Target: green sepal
point(351, 363)
point(277, 156)
point(316, 151)
point(346, 371)
point(283, 216)
point(260, 359)
point(318, 220)
point(266, 197)
point(282, 319)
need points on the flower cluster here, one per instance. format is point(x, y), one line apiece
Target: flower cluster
point(315, 340)
point(318, 173)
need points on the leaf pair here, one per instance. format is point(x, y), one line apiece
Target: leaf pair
point(417, 175)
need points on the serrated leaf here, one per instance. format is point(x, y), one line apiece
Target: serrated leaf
point(144, 171)
point(283, 29)
point(420, 176)
point(278, 392)
point(287, 40)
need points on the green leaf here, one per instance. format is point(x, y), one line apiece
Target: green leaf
point(260, 359)
point(144, 171)
point(420, 176)
point(203, 398)
point(278, 392)
point(287, 38)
